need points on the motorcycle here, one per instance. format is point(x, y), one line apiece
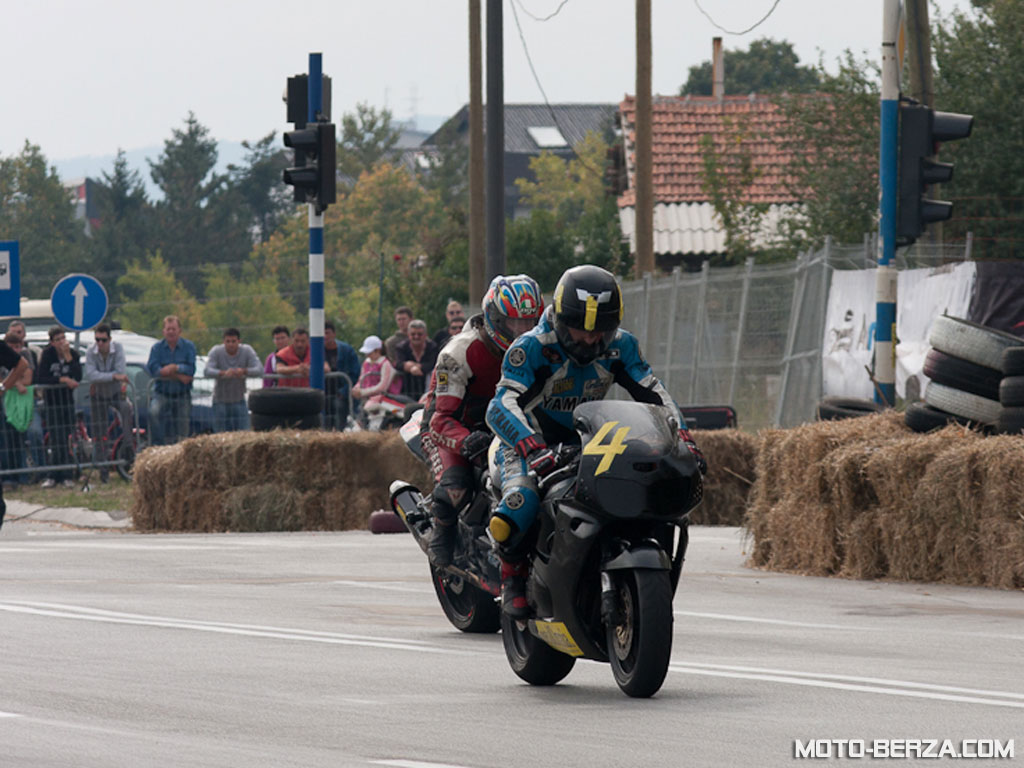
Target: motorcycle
point(467, 589)
point(608, 549)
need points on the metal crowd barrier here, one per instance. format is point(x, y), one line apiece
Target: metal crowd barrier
point(65, 432)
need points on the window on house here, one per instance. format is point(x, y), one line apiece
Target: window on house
point(547, 137)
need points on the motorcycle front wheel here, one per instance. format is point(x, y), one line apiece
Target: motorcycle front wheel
point(468, 608)
point(640, 647)
point(531, 658)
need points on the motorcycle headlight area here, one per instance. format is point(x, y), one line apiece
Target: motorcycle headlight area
point(653, 489)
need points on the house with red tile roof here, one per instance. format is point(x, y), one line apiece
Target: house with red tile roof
point(686, 228)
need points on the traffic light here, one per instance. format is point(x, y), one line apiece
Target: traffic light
point(314, 172)
point(921, 129)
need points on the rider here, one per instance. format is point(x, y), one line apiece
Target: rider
point(575, 354)
point(465, 376)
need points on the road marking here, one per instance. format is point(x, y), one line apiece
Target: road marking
point(385, 585)
point(854, 683)
point(82, 613)
point(9, 714)
point(415, 764)
point(782, 622)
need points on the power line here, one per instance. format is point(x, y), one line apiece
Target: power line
point(545, 18)
point(743, 32)
point(540, 87)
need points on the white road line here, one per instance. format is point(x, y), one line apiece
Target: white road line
point(9, 714)
point(877, 685)
point(415, 764)
point(281, 633)
point(385, 585)
point(782, 622)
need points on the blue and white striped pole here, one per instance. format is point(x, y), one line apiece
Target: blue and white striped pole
point(885, 285)
point(316, 241)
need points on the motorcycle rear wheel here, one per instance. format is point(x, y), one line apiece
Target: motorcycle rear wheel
point(468, 608)
point(640, 647)
point(531, 658)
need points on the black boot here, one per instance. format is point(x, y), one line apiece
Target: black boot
point(442, 544)
point(513, 589)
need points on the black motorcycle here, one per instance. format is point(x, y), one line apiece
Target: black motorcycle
point(466, 589)
point(608, 549)
point(611, 538)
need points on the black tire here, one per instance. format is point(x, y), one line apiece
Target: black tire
point(640, 647)
point(1013, 361)
point(962, 374)
point(386, 521)
point(1011, 421)
point(125, 452)
point(921, 417)
point(1011, 391)
point(468, 608)
point(835, 408)
point(286, 401)
point(980, 410)
point(262, 422)
point(531, 658)
point(970, 341)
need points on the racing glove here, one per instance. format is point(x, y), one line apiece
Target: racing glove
point(540, 459)
point(475, 444)
point(687, 439)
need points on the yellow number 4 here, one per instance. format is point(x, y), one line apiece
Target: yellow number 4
point(606, 452)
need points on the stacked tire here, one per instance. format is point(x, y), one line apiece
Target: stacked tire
point(965, 366)
point(285, 408)
point(1011, 391)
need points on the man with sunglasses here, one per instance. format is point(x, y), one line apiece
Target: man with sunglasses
point(106, 372)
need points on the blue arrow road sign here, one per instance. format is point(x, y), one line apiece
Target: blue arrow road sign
point(79, 302)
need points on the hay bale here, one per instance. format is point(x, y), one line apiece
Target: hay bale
point(278, 480)
point(732, 467)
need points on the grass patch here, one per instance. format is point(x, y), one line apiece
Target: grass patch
point(102, 497)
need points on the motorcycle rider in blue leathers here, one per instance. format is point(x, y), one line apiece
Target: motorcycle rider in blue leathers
point(574, 355)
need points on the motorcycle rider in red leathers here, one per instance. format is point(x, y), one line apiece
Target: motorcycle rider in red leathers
point(464, 380)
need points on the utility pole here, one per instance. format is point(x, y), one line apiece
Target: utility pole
point(477, 243)
point(495, 264)
point(644, 220)
point(885, 282)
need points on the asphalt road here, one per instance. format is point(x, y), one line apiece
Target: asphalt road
point(120, 649)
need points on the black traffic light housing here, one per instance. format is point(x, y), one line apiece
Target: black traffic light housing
point(921, 129)
point(314, 174)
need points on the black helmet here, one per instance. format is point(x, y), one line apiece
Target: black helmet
point(587, 298)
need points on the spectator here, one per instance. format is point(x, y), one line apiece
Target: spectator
point(452, 312)
point(16, 367)
point(35, 429)
point(59, 369)
point(377, 377)
point(454, 329)
point(281, 336)
point(106, 372)
point(415, 360)
point(18, 413)
point(293, 360)
point(403, 316)
point(339, 357)
point(172, 362)
point(17, 328)
point(230, 364)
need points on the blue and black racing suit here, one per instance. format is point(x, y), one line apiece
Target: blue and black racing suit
point(539, 388)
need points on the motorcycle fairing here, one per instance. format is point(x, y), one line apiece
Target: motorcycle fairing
point(555, 634)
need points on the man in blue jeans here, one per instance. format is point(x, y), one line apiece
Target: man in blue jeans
point(172, 362)
point(230, 364)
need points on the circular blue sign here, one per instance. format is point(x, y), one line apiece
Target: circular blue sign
point(79, 302)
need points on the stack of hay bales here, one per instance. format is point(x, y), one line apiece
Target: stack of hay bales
point(732, 467)
point(867, 498)
point(282, 480)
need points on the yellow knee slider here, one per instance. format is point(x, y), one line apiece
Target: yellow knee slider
point(501, 528)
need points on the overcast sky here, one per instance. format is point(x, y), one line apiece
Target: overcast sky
point(84, 77)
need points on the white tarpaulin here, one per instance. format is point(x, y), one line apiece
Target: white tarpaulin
point(922, 295)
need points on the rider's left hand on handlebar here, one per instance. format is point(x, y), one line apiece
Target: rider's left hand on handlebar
point(687, 439)
point(542, 461)
point(474, 444)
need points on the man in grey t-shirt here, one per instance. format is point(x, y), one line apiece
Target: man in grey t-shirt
point(230, 363)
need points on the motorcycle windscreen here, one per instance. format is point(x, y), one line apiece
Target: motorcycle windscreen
point(632, 463)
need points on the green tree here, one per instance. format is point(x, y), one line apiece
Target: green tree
point(368, 137)
point(259, 187)
point(36, 210)
point(198, 221)
point(446, 169)
point(150, 292)
point(249, 301)
point(768, 66)
point(980, 71)
point(125, 215)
